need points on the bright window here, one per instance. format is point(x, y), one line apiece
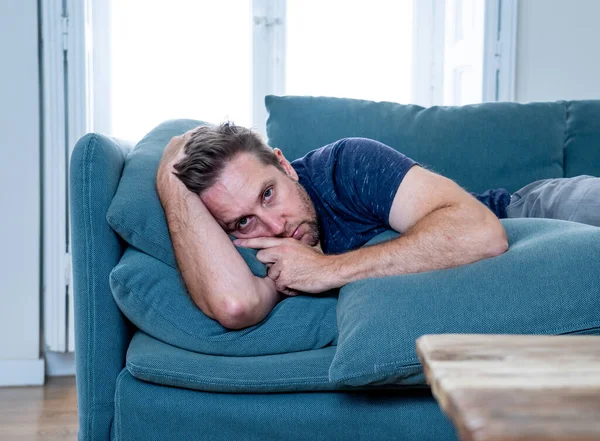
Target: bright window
point(179, 59)
point(192, 58)
point(350, 49)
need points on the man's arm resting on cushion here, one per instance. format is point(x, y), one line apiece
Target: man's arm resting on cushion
point(215, 274)
point(442, 226)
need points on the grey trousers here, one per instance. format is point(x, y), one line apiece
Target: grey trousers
point(574, 199)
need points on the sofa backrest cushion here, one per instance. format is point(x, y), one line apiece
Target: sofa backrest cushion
point(582, 138)
point(136, 213)
point(152, 295)
point(483, 146)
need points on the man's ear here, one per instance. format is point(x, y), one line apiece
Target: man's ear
point(285, 164)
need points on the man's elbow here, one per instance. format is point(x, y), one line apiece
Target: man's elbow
point(235, 311)
point(236, 314)
point(496, 240)
point(230, 313)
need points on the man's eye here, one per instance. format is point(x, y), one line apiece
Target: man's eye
point(268, 193)
point(243, 222)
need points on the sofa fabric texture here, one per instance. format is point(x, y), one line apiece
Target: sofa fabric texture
point(152, 360)
point(146, 411)
point(102, 334)
point(582, 138)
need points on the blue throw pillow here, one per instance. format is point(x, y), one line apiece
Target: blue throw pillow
point(136, 213)
point(153, 297)
point(548, 282)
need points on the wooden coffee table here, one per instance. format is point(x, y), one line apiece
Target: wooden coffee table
point(516, 387)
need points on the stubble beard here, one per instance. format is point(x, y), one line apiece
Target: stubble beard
point(311, 236)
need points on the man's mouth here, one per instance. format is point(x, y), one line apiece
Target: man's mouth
point(297, 234)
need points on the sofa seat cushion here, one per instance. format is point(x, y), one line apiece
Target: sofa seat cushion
point(152, 360)
point(152, 295)
point(548, 282)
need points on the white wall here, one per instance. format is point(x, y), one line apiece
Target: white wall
point(20, 361)
point(558, 50)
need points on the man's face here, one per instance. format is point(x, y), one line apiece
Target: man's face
point(251, 199)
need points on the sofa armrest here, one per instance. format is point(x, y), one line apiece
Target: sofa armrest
point(102, 333)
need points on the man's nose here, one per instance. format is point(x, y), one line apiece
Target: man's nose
point(275, 224)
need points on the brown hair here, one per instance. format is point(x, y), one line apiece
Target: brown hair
point(211, 146)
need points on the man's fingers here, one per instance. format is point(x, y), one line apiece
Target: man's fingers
point(290, 292)
point(176, 144)
point(187, 135)
point(274, 272)
point(280, 285)
point(267, 255)
point(173, 149)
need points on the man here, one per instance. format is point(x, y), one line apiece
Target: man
point(310, 217)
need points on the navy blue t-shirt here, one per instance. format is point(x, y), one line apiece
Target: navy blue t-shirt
point(352, 183)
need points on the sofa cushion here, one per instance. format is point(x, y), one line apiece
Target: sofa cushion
point(152, 295)
point(152, 360)
point(582, 138)
point(548, 282)
point(483, 146)
point(136, 213)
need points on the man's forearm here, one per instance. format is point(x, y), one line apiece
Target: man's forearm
point(215, 274)
point(447, 237)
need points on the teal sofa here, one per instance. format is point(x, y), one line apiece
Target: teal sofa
point(340, 365)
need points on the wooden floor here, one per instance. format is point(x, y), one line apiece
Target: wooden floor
point(37, 413)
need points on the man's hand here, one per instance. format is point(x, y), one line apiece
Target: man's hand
point(293, 265)
point(172, 154)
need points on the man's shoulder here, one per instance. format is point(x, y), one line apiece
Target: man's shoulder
point(336, 164)
point(316, 158)
point(346, 147)
point(319, 152)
